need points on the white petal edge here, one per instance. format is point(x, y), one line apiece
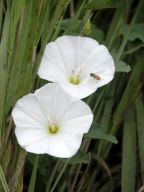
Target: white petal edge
point(57, 146)
point(54, 96)
point(77, 119)
point(61, 56)
point(29, 113)
point(27, 136)
point(52, 66)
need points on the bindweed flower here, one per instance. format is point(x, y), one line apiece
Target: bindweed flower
point(74, 61)
point(51, 121)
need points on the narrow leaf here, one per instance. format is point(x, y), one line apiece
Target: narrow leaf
point(137, 32)
point(140, 127)
point(80, 157)
point(33, 176)
point(122, 67)
point(96, 132)
point(3, 180)
point(102, 4)
point(129, 153)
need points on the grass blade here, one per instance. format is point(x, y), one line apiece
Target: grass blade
point(33, 176)
point(3, 181)
point(129, 152)
point(140, 127)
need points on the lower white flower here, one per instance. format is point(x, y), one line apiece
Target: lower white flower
point(72, 59)
point(51, 121)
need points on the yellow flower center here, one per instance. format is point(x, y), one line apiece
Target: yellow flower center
point(53, 129)
point(75, 80)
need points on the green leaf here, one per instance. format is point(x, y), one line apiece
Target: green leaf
point(129, 94)
point(133, 47)
point(76, 30)
point(96, 132)
point(88, 29)
point(120, 65)
point(102, 4)
point(79, 158)
point(137, 31)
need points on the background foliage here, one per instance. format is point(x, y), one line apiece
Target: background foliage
point(26, 26)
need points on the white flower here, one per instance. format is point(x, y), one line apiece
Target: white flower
point(71, 59)
point(51, 121)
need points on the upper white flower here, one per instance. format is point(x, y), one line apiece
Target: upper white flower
point(71, 59)
point(51, 121)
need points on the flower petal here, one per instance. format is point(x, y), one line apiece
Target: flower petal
point(52, 67)
point(61, 57)
point(75, 50)
point(61, 145)
point(28, 113)
point(81, 90)
point(27, 136)
point(100, 63)
point(72, 141)
point(77, 119)
point(54, 99)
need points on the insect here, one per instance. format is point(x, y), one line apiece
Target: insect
point(95, 76)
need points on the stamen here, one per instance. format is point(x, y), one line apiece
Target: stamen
point(74, 79)
point(53, 129)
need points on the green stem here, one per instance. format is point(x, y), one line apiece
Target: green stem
point(52, 176)
point(33, 175)
point(59, 176)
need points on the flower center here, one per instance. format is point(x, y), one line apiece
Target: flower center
point(53, 129)
point(74, 79)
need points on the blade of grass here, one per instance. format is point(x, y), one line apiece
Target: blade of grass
point(129, 152)
point(59, 176)
point(3, 181)
point(131, 91)
point(49, 25)
point(118, 20)
point(3, 61)
point(17, 170)
point(18, 64)
point(106, 118)
point(33, 175)
point(140, 130)
point(125, 39)
point(48, 185)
